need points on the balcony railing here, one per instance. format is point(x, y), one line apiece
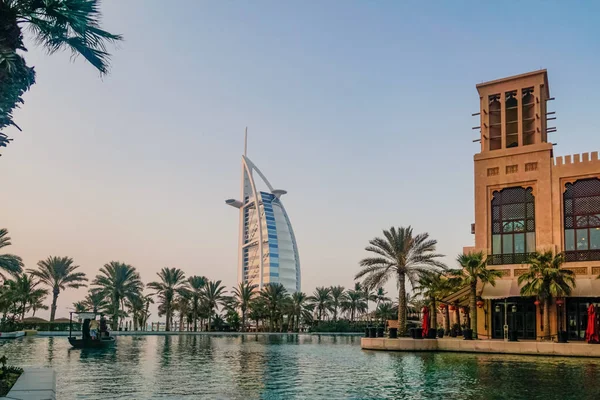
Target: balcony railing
point(504, 259)
point(587, 255)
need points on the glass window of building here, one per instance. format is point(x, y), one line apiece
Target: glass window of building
point(581, 202)
point(513, 225)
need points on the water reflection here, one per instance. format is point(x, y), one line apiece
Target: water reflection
point(290, 366)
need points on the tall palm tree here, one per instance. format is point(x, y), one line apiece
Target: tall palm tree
point(214, 293)
point(354, 303)
point(196, 286)
point(56, 25)
point(399, 255)
point(37, 302)
point(79, 307)
point(58, 273)
point(546, 279)
point(172, 281)
point(118, 282)
point(274, 295)
point(244, 293)
point(258, 310)
point(338, 295)
point(321, 299)
point(381, 296)
point(474, 269)
point(8, 262)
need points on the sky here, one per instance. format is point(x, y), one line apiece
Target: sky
point(361, 110)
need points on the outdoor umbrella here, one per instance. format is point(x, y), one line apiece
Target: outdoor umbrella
point(425, 312)
point(591, 332)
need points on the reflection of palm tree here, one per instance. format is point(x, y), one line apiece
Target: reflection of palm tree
point(8, 262)
point(118, 281)
point(58, 273)
point(172, 280)
point(399, 256)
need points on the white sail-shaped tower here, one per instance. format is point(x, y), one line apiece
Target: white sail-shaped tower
point(268, 252)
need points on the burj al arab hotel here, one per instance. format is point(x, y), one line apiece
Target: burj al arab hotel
point(267, 250)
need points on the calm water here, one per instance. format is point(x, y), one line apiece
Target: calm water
point(290, 367)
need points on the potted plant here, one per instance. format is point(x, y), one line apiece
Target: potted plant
point(468, 334)
point(455, 331)
point(418, 333)
point(440, 333)
point(431, 333)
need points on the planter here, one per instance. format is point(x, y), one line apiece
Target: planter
point(468, 334)
point(418, 333)
point(393, 333)
point(440, 333)
point(380, 331)
point(367, 331)
point(412, 332)
point(453, 333)
point(562, 337)
point(372, 332)
point(431, 333)
point(512, 336)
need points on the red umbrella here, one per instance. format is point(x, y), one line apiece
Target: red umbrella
point(591, 332)
point(425, 312)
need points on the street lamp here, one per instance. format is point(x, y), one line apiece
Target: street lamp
point(514, 310)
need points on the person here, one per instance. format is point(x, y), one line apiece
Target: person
point(103, 326)
point(94, 329)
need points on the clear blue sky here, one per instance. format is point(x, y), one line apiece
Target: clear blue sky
point(361, 110)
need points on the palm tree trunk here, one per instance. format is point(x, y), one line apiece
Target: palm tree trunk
point(473, 309)
point(547, 331)
point(168, 315)
point(115, 317)
point(180, 321)
point(401, 304)
point(243, 328)
point(55, 292)
point(433, 314)
point(208, 322)
point(446, 320)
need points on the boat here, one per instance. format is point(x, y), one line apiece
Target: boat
point(103, 338)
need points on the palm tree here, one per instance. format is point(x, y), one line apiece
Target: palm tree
point(37, 302)
point(196, 286)
point(385, 311)
point(474, 269)
point(58, 273)
point(354, 303)
point(118, 282)
point(79, 307)
point(381, 296)
point(182, 305)
point(95, 301)
point(214, 293)
point(546, 280)
point(274, 295)
point(244, 293)
point(300, 309)
point(321, 299)
point(432, 286)
point(8, 262)
point(338, 295)
point(172, 281)
point(56, 25)
point(25, 292)
point(399, 255)
point(258, 310)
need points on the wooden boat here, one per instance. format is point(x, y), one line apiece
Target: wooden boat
point(80, 343)
point(86, 341)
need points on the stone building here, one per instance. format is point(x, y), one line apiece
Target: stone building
point(528, 199)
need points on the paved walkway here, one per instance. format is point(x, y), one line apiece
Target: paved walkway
point(34, 384)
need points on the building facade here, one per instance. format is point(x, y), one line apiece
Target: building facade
point(528, 200)
point(267, 251)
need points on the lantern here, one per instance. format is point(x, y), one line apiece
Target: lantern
point(442, 306)
point(537, 303)
point(452, 308)
point(559, 302)
point(480, 303)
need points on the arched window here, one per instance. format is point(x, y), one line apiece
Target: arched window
point(582, 220)
point(513, 225)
